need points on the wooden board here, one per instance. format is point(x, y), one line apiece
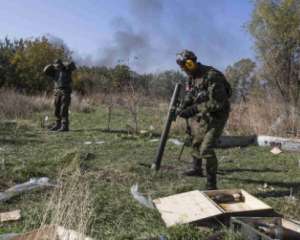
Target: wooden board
point(51, 232)
point(10, 216)
point(291, 225)
point(186, 208)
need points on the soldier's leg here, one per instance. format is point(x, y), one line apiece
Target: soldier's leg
point(65, 103)
point(207, 152)
point(57, 106)
point(198, 132)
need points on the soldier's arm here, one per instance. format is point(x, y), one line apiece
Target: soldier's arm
point(217, 94)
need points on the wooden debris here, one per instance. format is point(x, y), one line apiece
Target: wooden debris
point(276, 150)
point(52, 232)
point(10, 216)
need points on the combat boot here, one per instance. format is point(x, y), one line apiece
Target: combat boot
point(56, 126)
point(64, 128)
point(197, 170)
point(211, 183)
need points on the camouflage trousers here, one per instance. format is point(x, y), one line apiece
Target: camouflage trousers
point(205, 134)
point(62, 103)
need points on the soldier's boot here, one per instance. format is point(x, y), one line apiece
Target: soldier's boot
point(211, 183)
point(197, 170)
point(64, 127)
point(56, 126)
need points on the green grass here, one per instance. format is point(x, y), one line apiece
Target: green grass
point(113, 167)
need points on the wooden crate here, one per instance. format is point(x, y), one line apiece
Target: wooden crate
point(197, 206)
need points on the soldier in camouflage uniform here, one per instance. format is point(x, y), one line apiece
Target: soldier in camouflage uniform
point(207, 101)
point(62, 75)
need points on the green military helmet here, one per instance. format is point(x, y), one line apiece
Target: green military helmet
point(184, 55)
point(187, 60)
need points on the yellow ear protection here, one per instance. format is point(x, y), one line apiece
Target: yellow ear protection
point(190, 64)
point(187, 60)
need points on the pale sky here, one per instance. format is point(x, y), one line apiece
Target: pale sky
point(104, 32)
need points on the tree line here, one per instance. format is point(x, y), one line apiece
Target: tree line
point(22, 62)
point(274, 26)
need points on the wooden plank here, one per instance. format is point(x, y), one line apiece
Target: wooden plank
point(10, 216)
point(291, 225)
point(52, 232)
point(186, 208)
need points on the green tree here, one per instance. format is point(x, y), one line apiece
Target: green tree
point(275, 26)
point(241, 76)
point(163, 83)
point(121, 77)
point(29, 61)
point(8, 76)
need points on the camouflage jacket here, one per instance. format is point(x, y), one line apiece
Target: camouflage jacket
point(217, 91)
point(63, 77)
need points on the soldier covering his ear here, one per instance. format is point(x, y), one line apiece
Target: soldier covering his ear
point(207, 104)
point(62, 75)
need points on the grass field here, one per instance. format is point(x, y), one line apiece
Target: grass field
point(98, 176)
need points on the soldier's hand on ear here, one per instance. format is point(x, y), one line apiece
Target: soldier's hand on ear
point(189, 112)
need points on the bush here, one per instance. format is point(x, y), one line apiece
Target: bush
point(15, 105)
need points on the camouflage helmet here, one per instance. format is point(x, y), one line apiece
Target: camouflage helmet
point(185, 55)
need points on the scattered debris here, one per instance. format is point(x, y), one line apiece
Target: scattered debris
point(144, 132)
point(289, 144)
point(44, 122)
point(95, 142)
point(268, 228)
point(154, 140)
point(276, 150)
point(50, 232)
point(147, 202)
point(266, 187)
point(8, 236)
point(291, 198)
point(10, 216)
point(175, 141)
point(31, 185)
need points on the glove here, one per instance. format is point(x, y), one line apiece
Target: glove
point(189, 112)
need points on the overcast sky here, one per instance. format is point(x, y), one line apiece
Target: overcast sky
point(145, 33)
